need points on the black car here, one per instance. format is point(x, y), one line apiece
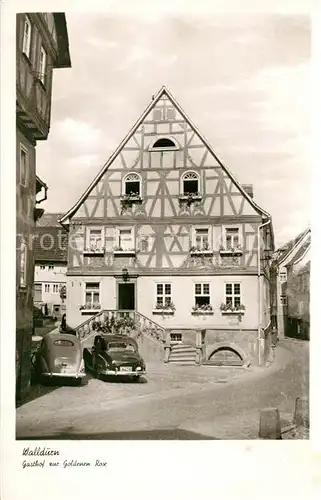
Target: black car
point(114, 355)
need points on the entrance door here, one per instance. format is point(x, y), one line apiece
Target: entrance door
point(126, 295)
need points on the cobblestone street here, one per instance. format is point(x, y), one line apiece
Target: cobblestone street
point(175, 402)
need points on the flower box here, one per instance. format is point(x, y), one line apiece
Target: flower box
point(122, 251)
point(235, 313)
point(231, 251)
point(168, 312)
point(94, 251)
point(190, 197)
point(196, 251)
point(90, 308)
point(200, 312)
point(130, 198)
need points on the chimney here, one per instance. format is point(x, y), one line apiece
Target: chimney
point(248, 188)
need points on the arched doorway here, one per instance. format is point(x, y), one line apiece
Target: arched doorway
point(225, 356)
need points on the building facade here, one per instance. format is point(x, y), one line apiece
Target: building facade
point(292, 264)
point(41, 45)
point(50, 270)
point(166, 230)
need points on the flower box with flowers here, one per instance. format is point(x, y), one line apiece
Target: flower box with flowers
point(90, 308)
point(204, 310)
point(93, 250)
point(130, 198)
point(190, 197)
point(124, 251)
point(229, 309)
point(164, 309)
point(236, 250)
point(201, 250)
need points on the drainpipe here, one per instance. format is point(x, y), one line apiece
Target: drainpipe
point(259, 285)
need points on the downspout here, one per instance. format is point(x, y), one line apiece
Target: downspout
point(259, 285)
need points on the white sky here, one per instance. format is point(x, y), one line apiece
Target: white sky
point(243, 79)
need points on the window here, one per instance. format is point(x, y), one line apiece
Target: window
point(47, 288)
point(233, 294)
point(283, 276)
point(163, 294)
point(176, 337)
point(202, 294)
point(42, 268)
point(23, 166)
point(94, 239)
point(64, 343)
point(26, 44)
point(38, 292)
point(50, 268)
point(161, 113)
point(164, 143)
point(190, 183)
point(42, 65)
point(23, 264)
point(132, 185)
point(158, 114)
point(170, 113)
point(232, 239)
point(201, 239)
point(125, 239)
point(92, 295)
point(55, 288)
point(283, 300)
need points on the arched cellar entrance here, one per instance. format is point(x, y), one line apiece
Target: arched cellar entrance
point(225, 356)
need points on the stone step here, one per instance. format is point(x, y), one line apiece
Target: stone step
point(182, 358)
point(182, 363)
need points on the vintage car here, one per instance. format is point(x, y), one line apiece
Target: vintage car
point(114, 355)
point(59, 355)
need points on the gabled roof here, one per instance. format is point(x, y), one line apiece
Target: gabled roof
point(51, 244)
point(49, 220)
point(300, 252)
point(291, 247)
point(65, 219)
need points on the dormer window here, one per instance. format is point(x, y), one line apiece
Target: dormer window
point(164, 144)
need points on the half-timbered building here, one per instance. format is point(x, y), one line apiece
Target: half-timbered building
point(42, 44)
point(166, 232)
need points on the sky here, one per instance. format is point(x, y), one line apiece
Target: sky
point(243, 79)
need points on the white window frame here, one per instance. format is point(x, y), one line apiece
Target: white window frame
point(42, 65)
point(96, 247)
point(118, 238)
point(197, 177)
point(55, 288)
point(137, 178)
point(23, 264)
point(46, 287)
point(166, 297)
point(164, 148)
point(233, 295)
point(87, 290)
point(42, 267)
point(224, 236)
point(195, 236)
point(202, 293)
point(26, 41)
point(51, 267)
point(171, 108)
point(25, 168)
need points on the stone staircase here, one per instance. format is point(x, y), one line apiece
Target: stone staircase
point(182, 354)
point(150, 336)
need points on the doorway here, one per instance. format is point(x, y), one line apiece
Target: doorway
point(126, 296)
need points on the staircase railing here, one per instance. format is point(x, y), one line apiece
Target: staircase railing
point(143, 324)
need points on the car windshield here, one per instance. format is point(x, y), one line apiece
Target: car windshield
point(120, 346)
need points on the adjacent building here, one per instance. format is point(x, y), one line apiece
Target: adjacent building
point(165, 230)
point(51, 242)
point(41, 46)
point(293, 287)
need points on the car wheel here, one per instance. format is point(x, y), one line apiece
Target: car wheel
point(83, 381)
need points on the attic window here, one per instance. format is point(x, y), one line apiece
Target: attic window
point(190, 183)
point(132, 185)
point(164, 143)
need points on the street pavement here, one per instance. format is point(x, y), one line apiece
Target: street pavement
point(174, 402)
